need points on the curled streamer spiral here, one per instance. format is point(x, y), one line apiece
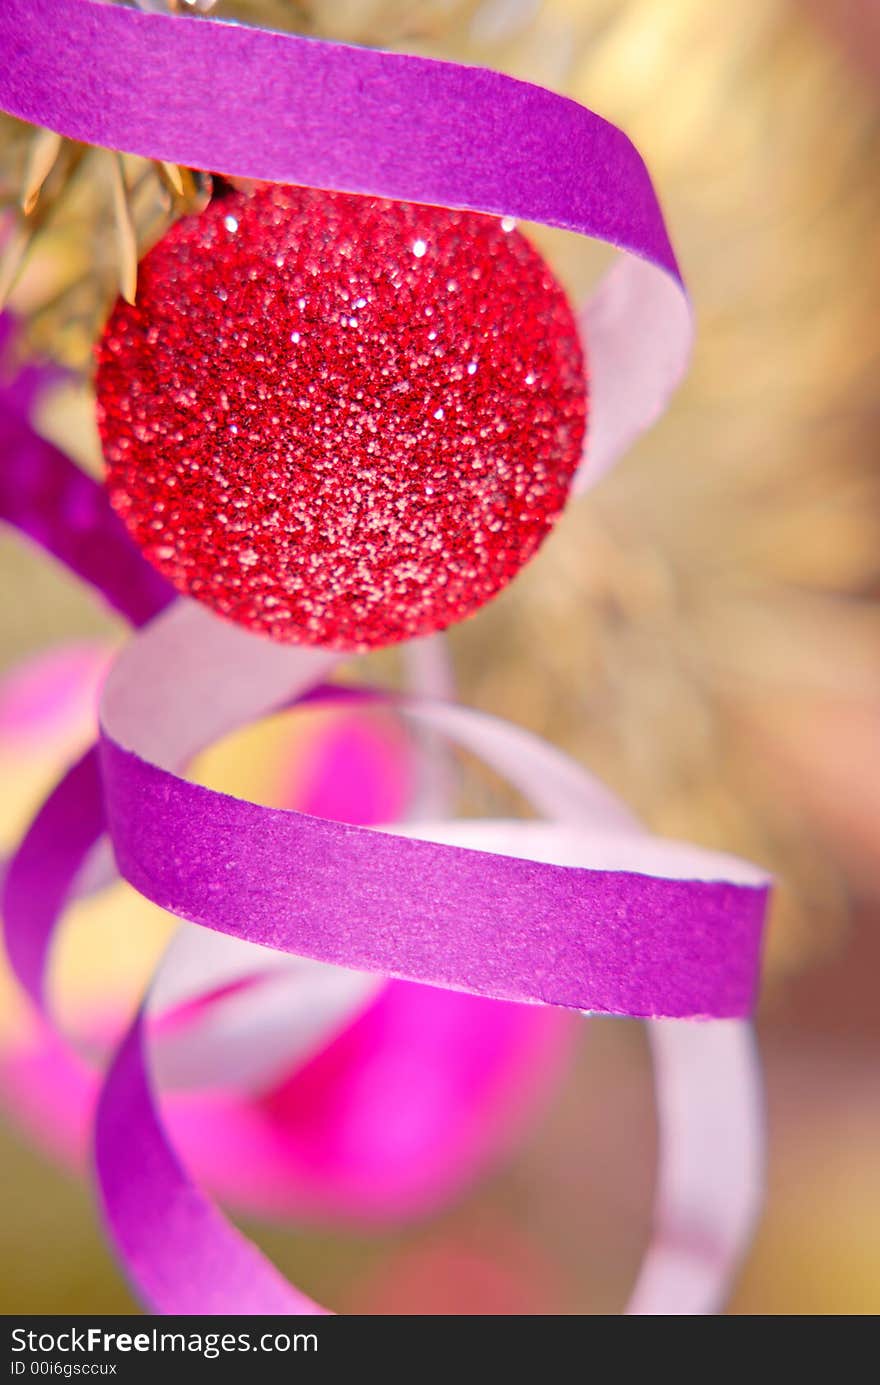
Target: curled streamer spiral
point(583, 911)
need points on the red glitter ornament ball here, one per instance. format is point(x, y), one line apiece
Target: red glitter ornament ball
point(337, 420)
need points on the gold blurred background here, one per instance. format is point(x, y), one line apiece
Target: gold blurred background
point(703, 631)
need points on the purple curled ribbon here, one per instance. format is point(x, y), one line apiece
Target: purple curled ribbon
point(613, 941)
point(46, 497)
point(620, 940)
point(278, 108)
point(178, 1250)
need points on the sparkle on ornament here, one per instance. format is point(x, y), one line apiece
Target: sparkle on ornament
point(339, 420)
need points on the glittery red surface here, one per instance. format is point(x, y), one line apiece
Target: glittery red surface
point(341, 421)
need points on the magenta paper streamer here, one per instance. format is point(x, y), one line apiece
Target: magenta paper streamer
point(610, 942)
point(284, 109)
point(617, 941)
point(699, 1236)
point(702, 1258)
point(180, 1253)
point(305, 1100)
point(189, 1259)
point(711, 1176)
point(49, 499)
point(624, 938)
